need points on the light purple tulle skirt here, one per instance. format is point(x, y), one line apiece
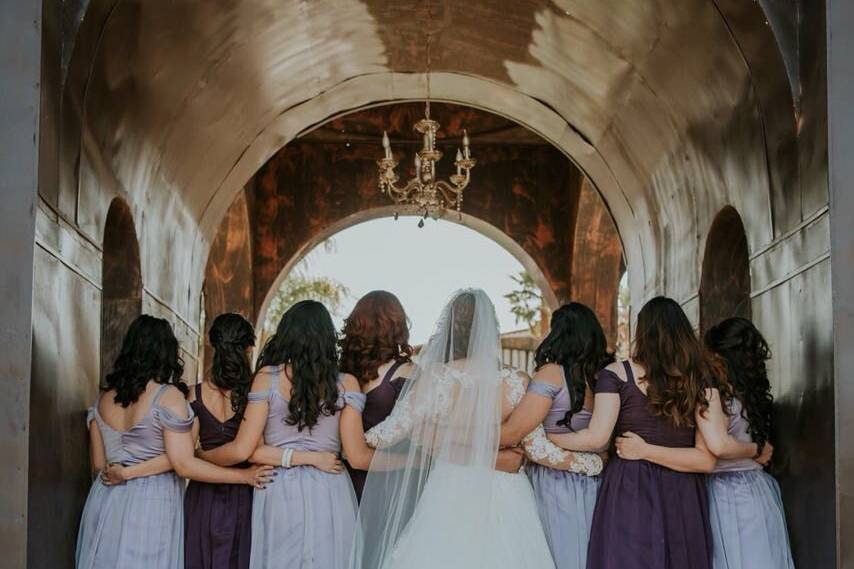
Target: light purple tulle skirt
point(748, 521)
point(566, 502)
point(304, 519)
point(135, 525)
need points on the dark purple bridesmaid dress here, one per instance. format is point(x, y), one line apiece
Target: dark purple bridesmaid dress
point(648, 516)
point(379, 403)
point(217, 517)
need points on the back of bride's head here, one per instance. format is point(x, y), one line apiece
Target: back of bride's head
point(462, 319)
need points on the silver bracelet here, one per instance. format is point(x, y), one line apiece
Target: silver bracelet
point(287, 457)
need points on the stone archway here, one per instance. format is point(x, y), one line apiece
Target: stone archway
point(121, 279)
point(725, 279)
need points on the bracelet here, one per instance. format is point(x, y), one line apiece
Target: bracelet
point(287, 457)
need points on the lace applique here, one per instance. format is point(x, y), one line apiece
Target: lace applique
point(586, 463)
point(435, 398)
point(541, 450)
point(516, 384)
point(395, 427)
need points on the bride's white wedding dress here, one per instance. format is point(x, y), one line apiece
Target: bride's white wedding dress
point(433, 498)
point(508, 535)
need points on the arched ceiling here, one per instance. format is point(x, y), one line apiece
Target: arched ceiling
point(175, 105)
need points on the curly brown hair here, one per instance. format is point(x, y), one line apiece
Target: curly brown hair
point(375, 332)
point(678, 366)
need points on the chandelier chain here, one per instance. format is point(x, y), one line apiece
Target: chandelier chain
point(429, 32)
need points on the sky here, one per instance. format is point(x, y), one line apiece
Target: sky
point(421, 266)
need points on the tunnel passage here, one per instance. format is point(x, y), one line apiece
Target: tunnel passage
point(725, 279)
point(121, 300)
point(672, 109)
point(525, 194)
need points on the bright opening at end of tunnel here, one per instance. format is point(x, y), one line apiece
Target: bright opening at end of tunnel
point(421, 266)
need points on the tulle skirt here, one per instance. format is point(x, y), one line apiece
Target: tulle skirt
point(748, 521)
point(444, 532)
point(650, 517)
point(304, 519)
point(566, 502)
point(135, 525)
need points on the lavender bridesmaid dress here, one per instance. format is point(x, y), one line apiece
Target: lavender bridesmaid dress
point(305, 518)
point(138, 524)
point(379, 402)
point(648, 516)
point(748, 521)
point(565, 500)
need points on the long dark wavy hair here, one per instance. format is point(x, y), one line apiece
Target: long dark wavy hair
point(744, 351)
point(305, 341)
point(149, 353)
point(577, 343)
point(678, 366)
point(375, 332)
point(231, 335)
point(462, 311)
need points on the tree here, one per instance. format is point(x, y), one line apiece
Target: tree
point(526, 301)
point(299, 286)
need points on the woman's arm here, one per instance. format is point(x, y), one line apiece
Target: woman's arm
point(685, 459)
point(118, 474)
point(597, 435)
point(714, 426)
point(180, 450)
point(541, 450)
point(97, 455)
point(250, 432)
point(356, 450)
point(272, 456)
point(533, 407)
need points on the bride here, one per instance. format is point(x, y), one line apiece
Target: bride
point(432, 497)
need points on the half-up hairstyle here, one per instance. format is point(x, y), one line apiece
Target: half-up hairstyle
point(678, 367)
point(305, 341)
point(577, 343)
point(149, 353)
point(744, 351)
point(375, 332)
point(231, 335)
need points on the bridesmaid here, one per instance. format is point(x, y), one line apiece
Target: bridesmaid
point(649, 516)
point(306, 516)
point(141, 415)
point(747, 517)
point(375, 353)
point(218, 517)
point(561, 397)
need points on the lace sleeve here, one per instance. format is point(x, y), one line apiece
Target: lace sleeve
point(429, 400)
point(542, 451)
point(395, 427)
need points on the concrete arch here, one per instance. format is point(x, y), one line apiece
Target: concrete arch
point(486, 229)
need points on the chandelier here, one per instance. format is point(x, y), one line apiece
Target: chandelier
point(424, 194)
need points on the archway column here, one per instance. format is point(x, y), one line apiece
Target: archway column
point(20, 68)
point(840, 120)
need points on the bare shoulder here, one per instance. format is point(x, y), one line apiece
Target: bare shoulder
point(350, 383)
point(405, 370)
point(264, 378)
point(173, 400)
point(618, 369)
point(550, 373)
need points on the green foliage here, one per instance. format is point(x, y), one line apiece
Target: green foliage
point(299, 287)
point(526, 301)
